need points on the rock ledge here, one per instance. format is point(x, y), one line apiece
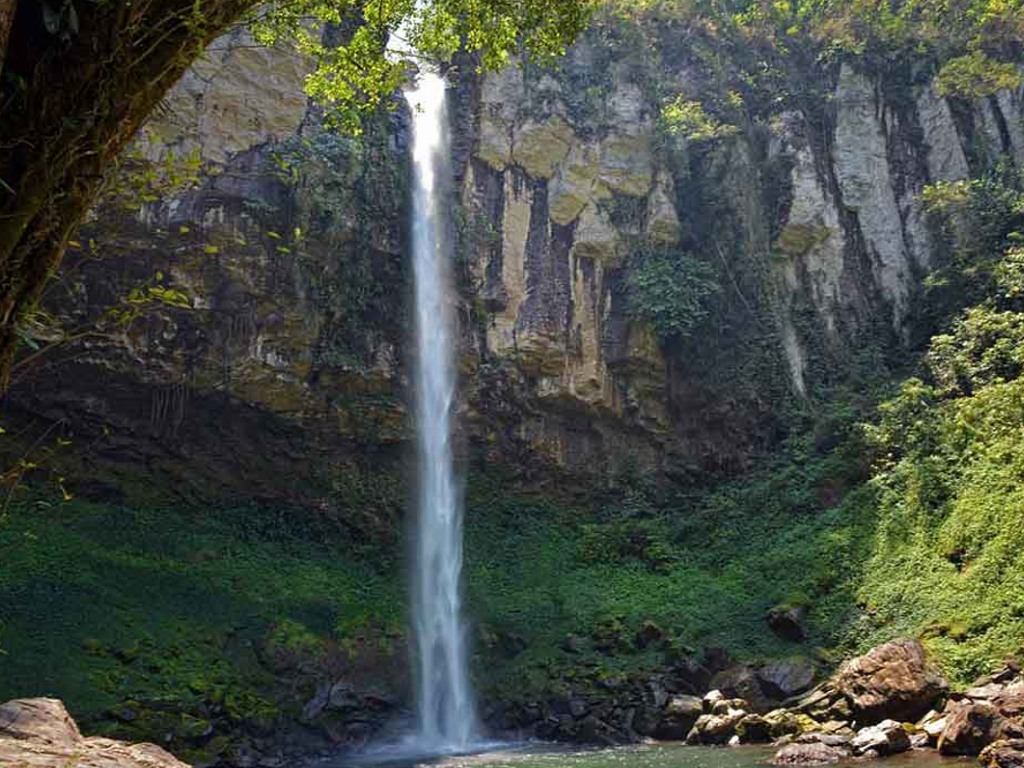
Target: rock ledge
point(39, 733)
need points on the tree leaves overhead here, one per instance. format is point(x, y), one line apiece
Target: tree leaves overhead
point(363, 50)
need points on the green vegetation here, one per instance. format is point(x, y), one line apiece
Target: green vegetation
point(882, 509)
point(669, 291)
point(950, 502)
point(689, 120)
point(885, 512)
point(354, 76)
point(114, 607)
point(178, 616)
point(704, 568)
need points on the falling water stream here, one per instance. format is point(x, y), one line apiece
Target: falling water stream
point(445, 707)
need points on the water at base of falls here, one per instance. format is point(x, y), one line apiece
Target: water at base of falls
point(446, 713)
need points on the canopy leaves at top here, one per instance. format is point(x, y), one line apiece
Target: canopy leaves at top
point(366, 57)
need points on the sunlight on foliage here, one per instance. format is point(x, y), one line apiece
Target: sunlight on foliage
point(975, 76)
point(689, 120)
point(364, 53)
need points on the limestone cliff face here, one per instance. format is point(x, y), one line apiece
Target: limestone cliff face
point(291, 252)
point(823, 209)
point(547, 271)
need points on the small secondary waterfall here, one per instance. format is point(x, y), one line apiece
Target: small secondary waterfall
point(447, 719)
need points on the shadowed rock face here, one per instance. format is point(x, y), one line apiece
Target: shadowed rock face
point(39, 733)
point(292, 248)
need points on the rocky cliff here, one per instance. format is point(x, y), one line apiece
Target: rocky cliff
point(279, 362)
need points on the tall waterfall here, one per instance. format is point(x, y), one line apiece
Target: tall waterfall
point(447, 718)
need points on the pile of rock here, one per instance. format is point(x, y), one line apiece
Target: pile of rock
point(39, 733)
point(665, 707)
point(991, 711)
point(893, 699)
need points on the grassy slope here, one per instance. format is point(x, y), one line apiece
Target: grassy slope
point(947, 558)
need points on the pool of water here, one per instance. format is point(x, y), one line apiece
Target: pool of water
point(640, 756)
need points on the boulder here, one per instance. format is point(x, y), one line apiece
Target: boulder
point(680, 715)
point(725, 706)
point(825, 737)
point(837, 728)
point(711, 698)
point(932, 725)
point(1005, 753)
point(784, 722)
point(895, 681)
point(985, 692)
point(714, 729)
point(786, 621)
point(920, 740)
point(316, 705)
point(825, 702)
point(39, 733)
point(343, 699)
point(886, 738)
point(1008, 672)
point(684, 706)
point(1010, 699)
point(645, 722)
point(754, 729)
point(786, 678)
point(740, 682)
point(973, 725)
point(813, 753)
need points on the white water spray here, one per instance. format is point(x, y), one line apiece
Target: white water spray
point(446, 713)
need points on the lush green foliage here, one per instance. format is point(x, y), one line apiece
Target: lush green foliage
point(975, 76)
point(982, 217)
point(753, 60)
point(172, 613)
point(949, 550)
point(356, 72)
point(669, 290)
point(689, 120)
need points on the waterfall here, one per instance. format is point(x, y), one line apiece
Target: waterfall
point(447, 719)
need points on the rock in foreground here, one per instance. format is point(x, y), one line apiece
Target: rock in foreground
point(886, 738)
point(1007, 753)
point(39, 733)
point(895, 681)
point(810, 753)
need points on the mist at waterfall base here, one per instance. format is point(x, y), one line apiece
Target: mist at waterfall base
point(446, 715)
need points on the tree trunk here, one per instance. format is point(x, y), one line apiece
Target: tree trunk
point(72, 98)
point(7, 8)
